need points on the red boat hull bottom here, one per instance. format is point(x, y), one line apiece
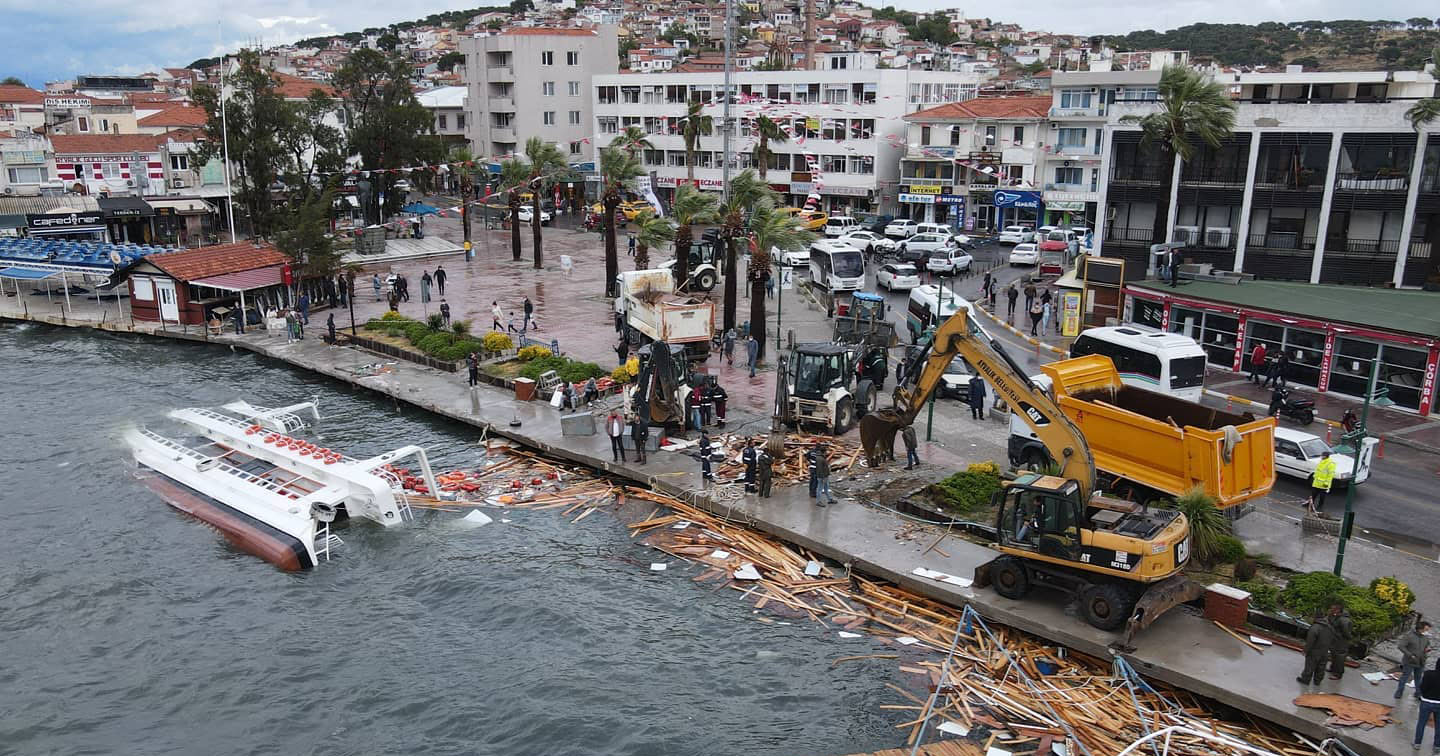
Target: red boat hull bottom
point(242, 531)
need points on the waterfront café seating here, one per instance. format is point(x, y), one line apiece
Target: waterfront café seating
point(16, 252)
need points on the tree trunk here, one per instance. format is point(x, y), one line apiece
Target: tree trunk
point(690, 162)
point(515, 225)
point(642, 257)
point(763, 166)
point(535, 225)
point(731, 285)
point(609, 203)
point(682, 256)
point(1162, 203)
point(757, 313)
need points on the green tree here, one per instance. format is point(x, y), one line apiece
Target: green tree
point(463, 163)
point(449, 60)
point(651, 232)
point(767, 132)
point(696, 125)
point(303, 235)
point(690, 208)
point(633, 139)
point(12, 81)
point(388, 128)
point(514, 175)
point(1423, 112)
point(745, 191)
point(770, 230)
point(312, 145)
point(1389, 54)
point(547, 166)
point(388, 41)
point(618, 167)
point(1193, 110)
point(1419, 23)
point(256, 115)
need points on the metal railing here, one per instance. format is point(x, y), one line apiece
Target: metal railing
point(1363, 246)
point(1146, 234)
point(1371, 182)
point(1281, 241)
point(1213, 178)
point(1136, 177)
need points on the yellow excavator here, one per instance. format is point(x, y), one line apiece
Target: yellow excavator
point(1123, 561)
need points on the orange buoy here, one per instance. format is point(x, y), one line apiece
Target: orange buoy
point(329, 460)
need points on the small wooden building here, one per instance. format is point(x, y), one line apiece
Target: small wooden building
point(184, 286)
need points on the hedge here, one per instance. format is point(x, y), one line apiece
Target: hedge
point(439, 344)
point(570, 371)
point(971, 488)
point(1311, 594)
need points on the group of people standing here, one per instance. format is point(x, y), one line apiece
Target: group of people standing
point(616, 427)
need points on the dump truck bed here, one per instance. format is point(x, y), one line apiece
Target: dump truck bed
point(1161, 441)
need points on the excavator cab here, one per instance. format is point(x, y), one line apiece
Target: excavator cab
point(823, 387)
point(1042, 514)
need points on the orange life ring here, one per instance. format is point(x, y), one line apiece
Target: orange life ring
point(329, 460)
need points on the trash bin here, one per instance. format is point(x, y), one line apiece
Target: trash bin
point(524, 389)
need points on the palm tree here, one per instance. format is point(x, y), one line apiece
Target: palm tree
point(633, 139)
point(744, 192)
point(464, 160)
point(768, 131)
point(1193, 109)
point(769, 229)
point(546, 166)
point(691, 207)
point(513, 176)
point(650, 231)
point(1423, 112)
point(697, 124)
point(617, 169)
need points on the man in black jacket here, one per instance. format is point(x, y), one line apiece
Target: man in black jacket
point(640, 435)
point(1414, 647)
point(1429, 708)
point(1318, 640)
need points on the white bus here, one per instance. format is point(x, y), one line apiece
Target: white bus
point(837, 266)
point(1148, 358)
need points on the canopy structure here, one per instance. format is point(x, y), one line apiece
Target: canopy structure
point(183, 205)
point(420, 208)
point(245, 280)
point(27, 274)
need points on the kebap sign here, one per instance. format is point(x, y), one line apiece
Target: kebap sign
point(1023, 200)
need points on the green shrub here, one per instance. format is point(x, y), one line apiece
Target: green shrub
point(415, 331)
point(393, 315)
point(434, 342)
point(970, 489)
point(1263, 596)
point(461, 328)
point(1370, 617)
point(535, 367)
point(1394, 595)
point(458, 350)
point(435, 321)
point(1207, 524)
point(1311, 593)
point(1229, 549)
point(575, 372)
point(532, 352)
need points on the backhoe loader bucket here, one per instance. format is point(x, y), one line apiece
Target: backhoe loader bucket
point(1159, 598)
point(877, 435)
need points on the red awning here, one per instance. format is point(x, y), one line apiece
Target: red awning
point(245, 280)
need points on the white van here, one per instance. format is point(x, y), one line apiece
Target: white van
point(1148, 358)
point(930, 305)
point(837, 265)
point(839, 225)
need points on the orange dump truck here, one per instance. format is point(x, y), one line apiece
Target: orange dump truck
point(1148, 444)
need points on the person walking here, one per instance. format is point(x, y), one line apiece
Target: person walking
point(1011, 293)
point(512, 328)
point(289, 326)
point(976, 398)
point(615, 429)
point(1037, 313)
point(985, 283)
point(239, 322)
point(1429, 689)
point(330, 327)
point(1257, 362)
point(764, 472)
point(639, 435)
point(727, 346)
point(1046, 314)
point(529, 313)
point(425, 283)
point(1414, 648)
point(445, 311)
point(404, 284)
point(912, 459)
point(495, 314)
point(630, 244)
point(1029, 295)
point(748, 457)
point(692, 406)
point(622, 351)
point(375, 284)
point(1276, 374)
point(705, 452)
point(1340, 645)
point(304, 304)
point(472, 366)
point(1318, 640)
point(1320, 482)
point(752, 353)
point(440, 277)
point(822, 476)
point(810, 470)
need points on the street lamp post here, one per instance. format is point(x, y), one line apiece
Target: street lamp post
point(779, 301)
point(1356, 440)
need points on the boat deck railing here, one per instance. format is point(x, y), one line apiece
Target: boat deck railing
point(278, 488)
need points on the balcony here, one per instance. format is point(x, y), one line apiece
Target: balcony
point(1053, 187)
point(1073, 150)
point(1221, 178)
point(1281, 241)
point(500, 73)
point(1138, 174)
point(1093, 112)
point(504, 134)
point(1386, 247)
point(501, 104)
point(1371, 181)
point(1132, 235)
point(1304, 181)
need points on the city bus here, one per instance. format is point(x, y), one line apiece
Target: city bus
point(1148, 358)
point(836, 266)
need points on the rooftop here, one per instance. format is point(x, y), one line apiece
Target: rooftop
point(9, 93)
point(539, 31)
point(1395, 310)
point(176, 115)
point(203, 262)
point(986, 107)
point(89, 144)
point(296, 88)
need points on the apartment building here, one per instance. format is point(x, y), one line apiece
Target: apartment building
point(959, 154)
point(447, 109)
point(28, 165)
point(846, 130)
point(535, 81)
point(1323, 181)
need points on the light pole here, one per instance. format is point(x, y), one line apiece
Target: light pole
point(1356, 440)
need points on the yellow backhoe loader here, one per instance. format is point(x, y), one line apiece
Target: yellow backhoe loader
point(1123, 561)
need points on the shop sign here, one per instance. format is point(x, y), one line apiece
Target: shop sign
point(1428, 387)
point(1070, 314)
point(1065, 206)
point(925, 189)
point(666, 181)
point(1325, 365)
point(952, 199)
point(846, 191)
point(66, 103)
point(63, 220)
point(801, 187)
point(917, 199)
point(1022, 200)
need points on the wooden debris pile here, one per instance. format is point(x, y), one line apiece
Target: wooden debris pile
point(517, 479)
point(790, 467)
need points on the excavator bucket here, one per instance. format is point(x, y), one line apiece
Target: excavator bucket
point(877, 435)
point(1159, 598)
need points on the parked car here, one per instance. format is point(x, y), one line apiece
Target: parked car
point(796, 258)
point(840, 225)
point(1016, 235)
point(1057, 240)
point(527, 214)
point(897, 276)
point(1025, 254)
point(901, 228)
point(942, 228)
point(949, 261)
point(924, 244)
point(877, 223)
point(1297, 453)
point(812, 220)
point(869, 242)
point(401, 186)
point(955, 381)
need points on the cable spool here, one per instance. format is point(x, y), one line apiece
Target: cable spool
point(322, 512)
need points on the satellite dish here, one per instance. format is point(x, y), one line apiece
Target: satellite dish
point(115, 257)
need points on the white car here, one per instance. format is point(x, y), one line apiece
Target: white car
point(1016, 235)
point(401, 186)
point(955, 382)
point(869, 242)
point(840, 225)
point(902, 228)
point(944, 229)
point(926, 243)
point(795, 258)
point(949, 261)
point(897, 276)
point(1025, 254)
point(1297, 453)
point(527, 214)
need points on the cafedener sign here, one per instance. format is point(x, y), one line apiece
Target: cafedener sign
point(63, 220)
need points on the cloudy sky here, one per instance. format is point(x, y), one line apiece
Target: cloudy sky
point(44, 42)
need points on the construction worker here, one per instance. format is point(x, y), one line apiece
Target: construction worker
point(764, 473)
point(750, 459)
point(1318, 640)
point(1320, 482)
point(705, 452)
point(640, 435)
point(907, 434)
point(1340, 645)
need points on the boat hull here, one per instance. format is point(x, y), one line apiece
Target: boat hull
point(242, 531)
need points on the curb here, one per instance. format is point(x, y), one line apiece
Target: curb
point(1331, 424)
point(1025, 336)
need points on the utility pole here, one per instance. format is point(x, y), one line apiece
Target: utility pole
point(1356, 440)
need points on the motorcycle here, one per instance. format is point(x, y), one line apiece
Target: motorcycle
point(1299, 410)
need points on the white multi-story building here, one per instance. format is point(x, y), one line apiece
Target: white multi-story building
point(535, 81)
point(846, 123)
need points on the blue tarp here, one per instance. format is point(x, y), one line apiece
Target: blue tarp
point(26, 273)
point(420, 208)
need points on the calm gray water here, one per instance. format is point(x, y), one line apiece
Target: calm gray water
point(126, 628)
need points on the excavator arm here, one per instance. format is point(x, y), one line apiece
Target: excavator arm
point(958, 336)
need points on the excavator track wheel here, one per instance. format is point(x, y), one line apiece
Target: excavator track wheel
point(1010, 578)
point(1106, 606)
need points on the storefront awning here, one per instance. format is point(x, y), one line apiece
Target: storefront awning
point(245, 280)
point(185, 206)
point(120, 208)
point(12, 221)
point(26, 274)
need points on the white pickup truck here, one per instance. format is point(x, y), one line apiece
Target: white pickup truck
point(654, 312)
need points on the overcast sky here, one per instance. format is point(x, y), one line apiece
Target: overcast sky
point(43, 41)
